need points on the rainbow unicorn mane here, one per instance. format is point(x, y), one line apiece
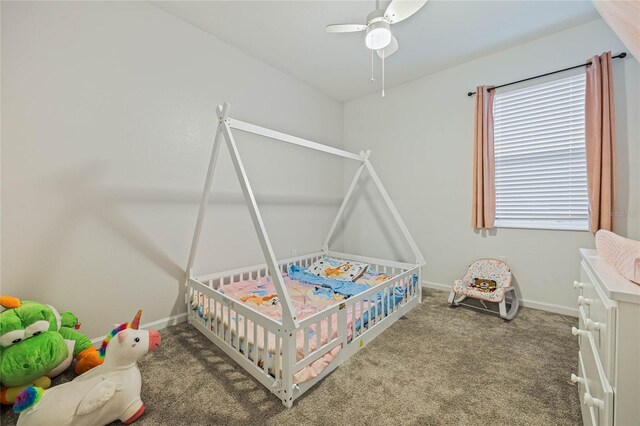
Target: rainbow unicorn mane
point(27, 398)
point(105, 342)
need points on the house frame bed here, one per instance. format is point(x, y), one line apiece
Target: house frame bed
point(351, 337)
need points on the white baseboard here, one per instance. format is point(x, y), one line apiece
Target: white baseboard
point(436, 286)
point(550, 307)
point(155, 325)
point(542, 306)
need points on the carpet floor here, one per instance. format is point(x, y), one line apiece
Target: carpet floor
point(437, 366)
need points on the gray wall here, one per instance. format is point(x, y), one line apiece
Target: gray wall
point(421, 135)
point(108, 115)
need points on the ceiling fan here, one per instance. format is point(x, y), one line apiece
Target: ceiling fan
point(378, 27)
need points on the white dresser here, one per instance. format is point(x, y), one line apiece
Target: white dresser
point(608, 374)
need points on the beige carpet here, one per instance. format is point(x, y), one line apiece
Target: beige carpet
point(439, 366)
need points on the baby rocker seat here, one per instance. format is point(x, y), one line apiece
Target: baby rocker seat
point(487, 280)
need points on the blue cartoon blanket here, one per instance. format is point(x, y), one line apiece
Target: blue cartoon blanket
point(344, 288)
point(328, 286)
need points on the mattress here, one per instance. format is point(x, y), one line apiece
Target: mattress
point(307, 300)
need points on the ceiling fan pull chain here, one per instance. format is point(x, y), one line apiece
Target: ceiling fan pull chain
point(383, 75)
point(372, 79)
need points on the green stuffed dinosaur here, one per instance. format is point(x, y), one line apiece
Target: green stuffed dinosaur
point(37, 343)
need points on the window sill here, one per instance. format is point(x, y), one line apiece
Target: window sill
point(542, 226)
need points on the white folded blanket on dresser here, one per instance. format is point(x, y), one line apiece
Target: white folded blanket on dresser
point(622, 253)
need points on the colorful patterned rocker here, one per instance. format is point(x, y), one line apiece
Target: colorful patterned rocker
point(487, 280)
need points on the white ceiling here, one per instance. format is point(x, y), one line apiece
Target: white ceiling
point(290, 35)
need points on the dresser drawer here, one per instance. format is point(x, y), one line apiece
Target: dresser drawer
point(598, 394)
point(589, 414)
point(598, 316)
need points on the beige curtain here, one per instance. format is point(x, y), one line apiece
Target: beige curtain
point(624, 19)
point(484, 194)
point(600, 142)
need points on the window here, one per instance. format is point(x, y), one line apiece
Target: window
point(540, 158)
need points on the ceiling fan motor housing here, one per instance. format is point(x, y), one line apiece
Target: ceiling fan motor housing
point(378, 35)
point(375, 16)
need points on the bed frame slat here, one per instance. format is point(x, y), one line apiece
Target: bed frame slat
point(318, 334)
point(255, 343)
point(265, 351)
point(277, 357)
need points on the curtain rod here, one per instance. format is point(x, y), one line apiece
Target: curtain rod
point(621, 55)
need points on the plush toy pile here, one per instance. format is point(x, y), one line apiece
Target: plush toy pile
point(109, 392)
point(38, 343)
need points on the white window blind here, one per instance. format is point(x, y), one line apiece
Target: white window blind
point(540, 159)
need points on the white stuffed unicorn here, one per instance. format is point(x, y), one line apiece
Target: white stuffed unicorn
point(100, 396)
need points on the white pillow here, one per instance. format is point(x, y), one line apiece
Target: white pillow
point(335, 269)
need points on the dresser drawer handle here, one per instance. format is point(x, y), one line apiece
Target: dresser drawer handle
point(576, 379)
point(578, 284)
point(577, 331)
point(593, 325)
point(590, 401)
point(584, 301)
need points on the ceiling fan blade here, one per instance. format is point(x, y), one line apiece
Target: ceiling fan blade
point(391, 48)
point(345, 28)
point(399, 10)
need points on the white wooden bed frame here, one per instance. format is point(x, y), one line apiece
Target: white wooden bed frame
point(203, 288)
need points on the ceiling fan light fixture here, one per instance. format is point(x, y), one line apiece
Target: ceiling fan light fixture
point(378, 35)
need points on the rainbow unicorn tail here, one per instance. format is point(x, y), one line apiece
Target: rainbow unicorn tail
point(29, 397)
